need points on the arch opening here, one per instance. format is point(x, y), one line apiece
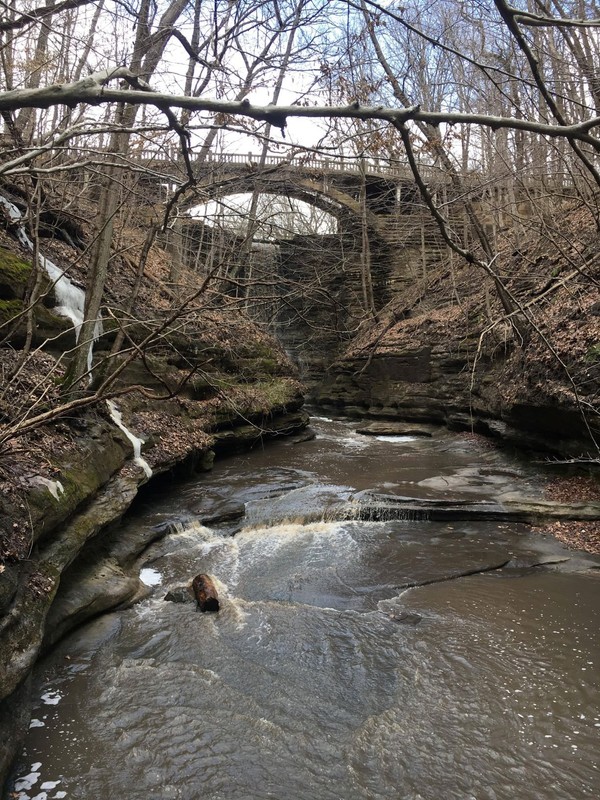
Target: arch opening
point(293, 254)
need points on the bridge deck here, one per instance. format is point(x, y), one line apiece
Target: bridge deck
point(392, 169)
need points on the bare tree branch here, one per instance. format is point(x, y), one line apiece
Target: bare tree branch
point(40, 13)
point(93, 90)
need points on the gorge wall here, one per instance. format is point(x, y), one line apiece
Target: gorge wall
point(433, 358)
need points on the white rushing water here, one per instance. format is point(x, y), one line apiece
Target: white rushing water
point(137, 443)
point(71, 298)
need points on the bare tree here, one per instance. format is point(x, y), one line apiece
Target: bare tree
point(500, 103)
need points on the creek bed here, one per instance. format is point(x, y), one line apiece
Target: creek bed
point(320, 678)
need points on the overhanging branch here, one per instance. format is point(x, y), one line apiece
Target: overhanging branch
point(94, 90)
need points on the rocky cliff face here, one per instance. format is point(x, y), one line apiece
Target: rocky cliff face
point(431, 384)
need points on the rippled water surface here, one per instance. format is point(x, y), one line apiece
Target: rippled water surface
point(321, 678)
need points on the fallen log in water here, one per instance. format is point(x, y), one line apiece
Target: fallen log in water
point(205, 592)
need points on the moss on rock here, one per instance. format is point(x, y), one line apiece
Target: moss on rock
point(14, 275)
point(80, 478)
point(9, 310)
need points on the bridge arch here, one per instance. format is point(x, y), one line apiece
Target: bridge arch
point(317, 192)
point(334, 185)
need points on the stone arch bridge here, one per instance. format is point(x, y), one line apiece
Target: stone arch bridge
point(378, 197)
point(321, 285)
point(353, 191)
point(324, 275)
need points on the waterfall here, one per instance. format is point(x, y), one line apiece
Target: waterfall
point(137, 443)
point(71, 298)
point(383, 513)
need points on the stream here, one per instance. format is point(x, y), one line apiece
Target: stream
point(320, 678)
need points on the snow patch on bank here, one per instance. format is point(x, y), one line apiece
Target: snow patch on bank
point(137, 443)
point(150, 576)
point(25, 784)
point(52, 697)
point(54, 487)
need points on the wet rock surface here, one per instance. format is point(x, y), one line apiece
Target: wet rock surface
point(393, 429)
point(179, 594)
point(406, 618)
point(307, 436)
point(219, 511)
point(513, 509)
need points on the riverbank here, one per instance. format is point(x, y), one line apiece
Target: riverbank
point(580, 535)
point(445, 350)
point(70, 566)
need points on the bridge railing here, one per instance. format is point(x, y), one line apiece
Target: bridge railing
point(393, 168)
point(167, 161)
point(311, 161)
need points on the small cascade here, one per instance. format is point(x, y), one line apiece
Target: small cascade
point(320, 503)
point(302, 505)
point(71, 298)
point(386, 513)
point(137, 443)
point(191, 525)
point(371, 507)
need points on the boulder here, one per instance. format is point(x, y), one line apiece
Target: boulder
point(180, 594)
point(406, 618)
point(307, 436)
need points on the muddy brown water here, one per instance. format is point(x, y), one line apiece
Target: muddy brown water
point(319, 678)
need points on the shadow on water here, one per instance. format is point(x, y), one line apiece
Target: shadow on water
point(323, 676)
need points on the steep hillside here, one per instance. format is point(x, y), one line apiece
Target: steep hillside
point(445, 350)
